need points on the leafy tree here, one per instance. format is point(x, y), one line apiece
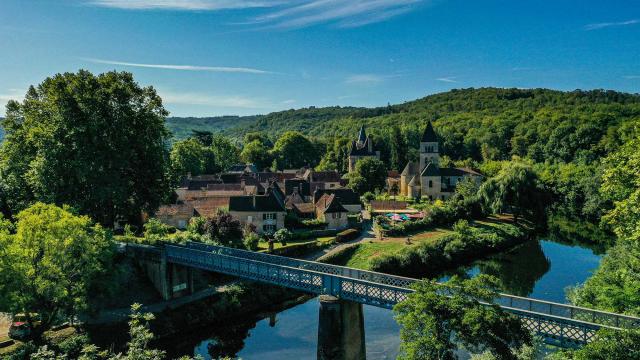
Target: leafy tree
point(205, 138)
point(257, 153)
point(191, 157)
point(224, 229)
point(294, 150)
point(514, 188)
point(369, 175)
point(257, 136)
point(96, 143)
point(398, 149)
point(436, 319)
point(156, 230)
point(51, 263)
point(609, 345)
point(226, 153)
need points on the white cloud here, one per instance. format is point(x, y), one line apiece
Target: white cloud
point(351, 13)
point(289, 102)
point(186, 5)
point(10, 94)
point(603, 25)
point(448, 79)
point(182, 67)
point(364, 79)
point(222, 101)
point(632, 77)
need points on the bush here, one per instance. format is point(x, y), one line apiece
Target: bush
point(283, 236)
point(197, 225)
point(347, 235)
point(154, 229)
point(251, 241)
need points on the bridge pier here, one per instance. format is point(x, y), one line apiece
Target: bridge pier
point(340, 330)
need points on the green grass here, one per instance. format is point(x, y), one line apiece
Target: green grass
point(368, 251)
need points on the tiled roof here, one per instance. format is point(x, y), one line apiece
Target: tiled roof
point(388, 205)
point(305, 208)
point(328, 203)
point(346, 196)
point(176, 210)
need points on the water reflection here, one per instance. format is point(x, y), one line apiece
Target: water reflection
point(540, 269)
point(517, 270)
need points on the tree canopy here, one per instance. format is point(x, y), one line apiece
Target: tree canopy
point(50, 263)
point(370, 174)
point(97, 143)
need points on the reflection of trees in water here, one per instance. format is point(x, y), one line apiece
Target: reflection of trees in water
point(519, 269)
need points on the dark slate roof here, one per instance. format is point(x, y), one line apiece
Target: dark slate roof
point(410, 169)
point(201, 183)
point(239, 168)
point(361, 151)
point(323, 176)
point(258, 203)
point(429, 134)
point(303, 186)
point(431, 170)
point(346, 196)
point(362, 136)
point(458, 172)
point(329, 203)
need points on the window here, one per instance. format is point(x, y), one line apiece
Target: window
point(268, 229)
point(336, 215)
point(249, 219)
point(269, 216)
point(182, 224)
point(430, 183)
point(442, 197)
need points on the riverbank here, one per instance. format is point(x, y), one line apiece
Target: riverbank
point(429, 253)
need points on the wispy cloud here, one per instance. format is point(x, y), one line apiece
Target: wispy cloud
point(448, 79)
point(283, 14)
point(221, 101)
point(226, 69)
point(631, 77)
point(603, 25)
point(351, 13)
point(185, 5)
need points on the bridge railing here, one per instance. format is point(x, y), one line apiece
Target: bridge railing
point(506, 300)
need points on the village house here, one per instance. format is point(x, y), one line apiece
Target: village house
point(176, 215)
point(348, 198)
point(426, 179)
point(265, 212)
point(361, 148)
point(329, 210)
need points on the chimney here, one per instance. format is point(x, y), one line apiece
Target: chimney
point(254, 201)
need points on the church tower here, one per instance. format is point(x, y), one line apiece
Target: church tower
point(429, 151)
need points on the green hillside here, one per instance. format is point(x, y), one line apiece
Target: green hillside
point(181, 127)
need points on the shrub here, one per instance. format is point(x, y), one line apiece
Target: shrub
point(155, 230)
point(197, 225)
point(251, 241)
point(347, 235)
point(283, 236)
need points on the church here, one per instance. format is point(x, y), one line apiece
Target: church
point(361, 149)
point(426, 179)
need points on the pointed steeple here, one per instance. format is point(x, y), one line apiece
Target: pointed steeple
point(429, 134)
point(362, 136)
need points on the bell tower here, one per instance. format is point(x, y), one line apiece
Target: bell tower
point(429, 148)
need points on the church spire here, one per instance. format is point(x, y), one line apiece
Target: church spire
point(362, 136)
point(429, 134)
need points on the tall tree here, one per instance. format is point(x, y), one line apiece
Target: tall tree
point(51, 262)
point(225, 152)
point(257, 153)
point(398, 149)
point(191, 157)
point(294, 150)
point(97, 143)
point(370, 175)
point(515, 188)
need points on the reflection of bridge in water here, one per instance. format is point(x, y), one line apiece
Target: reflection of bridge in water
point(558, 324)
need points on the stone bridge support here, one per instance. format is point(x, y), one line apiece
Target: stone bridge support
point(340, 330)
point(171, 280)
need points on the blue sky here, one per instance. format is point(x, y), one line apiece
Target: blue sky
point(216, 57)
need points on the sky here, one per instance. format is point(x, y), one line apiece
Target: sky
point(241, 57)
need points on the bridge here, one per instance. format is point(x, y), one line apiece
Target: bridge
point(558, 324)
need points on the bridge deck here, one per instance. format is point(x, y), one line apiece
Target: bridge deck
point(559, 324)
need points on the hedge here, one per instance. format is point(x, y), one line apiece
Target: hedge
point(347, 235)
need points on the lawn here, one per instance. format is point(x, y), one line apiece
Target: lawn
point(369, 250)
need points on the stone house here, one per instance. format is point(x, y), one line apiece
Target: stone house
point(265, 212)
point(329, 210)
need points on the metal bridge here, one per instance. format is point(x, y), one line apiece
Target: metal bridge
point(558, 324)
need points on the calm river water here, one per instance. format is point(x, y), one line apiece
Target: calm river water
point(540, 269)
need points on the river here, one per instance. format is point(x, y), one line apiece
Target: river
point(540, 269)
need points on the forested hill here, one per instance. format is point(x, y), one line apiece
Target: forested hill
point(453, 111)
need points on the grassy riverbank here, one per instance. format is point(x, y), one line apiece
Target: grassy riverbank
point(434, 251)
